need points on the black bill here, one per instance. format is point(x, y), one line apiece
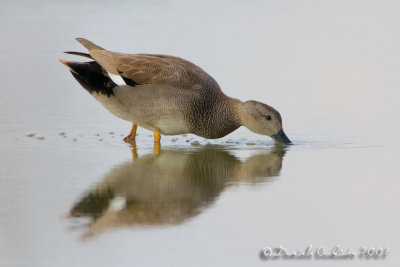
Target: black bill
point(281, 137)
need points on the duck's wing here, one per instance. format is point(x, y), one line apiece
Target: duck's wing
point(151, 69)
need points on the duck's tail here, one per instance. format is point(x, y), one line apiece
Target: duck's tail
point(78, 54)
point(91, 76)
point(88, 44)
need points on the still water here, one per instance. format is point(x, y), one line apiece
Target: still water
point(72, 193)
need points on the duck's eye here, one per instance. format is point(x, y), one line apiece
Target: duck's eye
point(268, 117)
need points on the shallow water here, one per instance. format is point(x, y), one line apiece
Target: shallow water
point(73, 193)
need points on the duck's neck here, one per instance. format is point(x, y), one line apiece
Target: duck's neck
point(231, 107)
point(217, 120)
point(238, 110)
point(231, 113)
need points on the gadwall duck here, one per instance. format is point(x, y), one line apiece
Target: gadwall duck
point(168, 95)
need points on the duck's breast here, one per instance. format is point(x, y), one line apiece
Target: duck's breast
point(156, 107)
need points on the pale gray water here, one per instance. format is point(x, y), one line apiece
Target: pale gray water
point(330, 67)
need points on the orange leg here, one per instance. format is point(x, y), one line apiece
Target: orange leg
point(131, 137)
point(157, 149)
point(157, 145)
point(134, 151)
point(157, 136)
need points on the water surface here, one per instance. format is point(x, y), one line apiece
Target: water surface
point(73, 193)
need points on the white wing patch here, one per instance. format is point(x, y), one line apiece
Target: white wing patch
point(118, 203)
point(116, 78)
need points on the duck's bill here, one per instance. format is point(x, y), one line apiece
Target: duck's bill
point(281, 137)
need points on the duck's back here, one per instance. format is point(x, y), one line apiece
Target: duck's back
point(156, 69)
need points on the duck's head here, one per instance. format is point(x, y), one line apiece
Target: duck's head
point(263, 119)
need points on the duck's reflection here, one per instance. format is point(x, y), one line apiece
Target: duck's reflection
point(170, 187)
